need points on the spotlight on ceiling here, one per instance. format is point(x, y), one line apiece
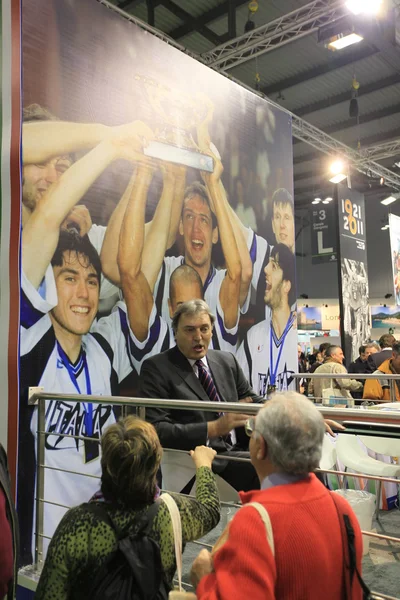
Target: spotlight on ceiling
point(336, 167)
point(343, 40)
point(337, 170)
point(328, 199)
point(366, 7)
point(338, 178)
point(340, 34)
point(389, 200)
point(384, 227)
point(325, 201)
point(316, 201)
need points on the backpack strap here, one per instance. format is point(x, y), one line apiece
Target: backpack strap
point(267, 522)
point(177, 529)
point(349, 553)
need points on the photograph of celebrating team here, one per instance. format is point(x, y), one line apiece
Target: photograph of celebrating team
point(140, 193)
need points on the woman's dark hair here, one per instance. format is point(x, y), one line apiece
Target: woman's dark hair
point(131, 456)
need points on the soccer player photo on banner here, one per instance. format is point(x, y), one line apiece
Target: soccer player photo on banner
point(394, 230)
point(353, 289)
point(148, 180)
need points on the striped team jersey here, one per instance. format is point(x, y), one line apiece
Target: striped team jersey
point(267, 360)
point(102, 363)
point(223, 338)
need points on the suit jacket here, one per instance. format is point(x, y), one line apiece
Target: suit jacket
point(169, 375)
point(379, 357)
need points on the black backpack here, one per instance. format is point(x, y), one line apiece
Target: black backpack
point(134, 570)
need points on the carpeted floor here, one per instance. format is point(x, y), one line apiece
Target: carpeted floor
point(381, 567)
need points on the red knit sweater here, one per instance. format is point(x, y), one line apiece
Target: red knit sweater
point(308, 548)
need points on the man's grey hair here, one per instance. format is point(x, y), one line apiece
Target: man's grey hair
point(331, 350)
point(372, 345)
point(293, 430)
point(192, 307)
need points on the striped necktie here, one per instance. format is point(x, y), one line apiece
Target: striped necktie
point(209, 387)
point(207, 382)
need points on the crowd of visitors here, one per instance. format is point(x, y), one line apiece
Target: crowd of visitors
point(380, 358)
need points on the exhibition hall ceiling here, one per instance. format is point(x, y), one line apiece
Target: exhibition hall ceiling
point(300, 74)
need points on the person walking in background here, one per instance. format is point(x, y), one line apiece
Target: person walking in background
point(378, 389)
point(285, 449)
point(362, 364)
point(386, 342)
point(333, 364)
point(302, 368)
point(320, 359)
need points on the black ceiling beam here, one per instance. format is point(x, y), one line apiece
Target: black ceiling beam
point(151, 18)
point(388, 111)
point(231, 19)
point(204, 19)
point(364, 90)
point(129, 4)
point(370, 141)
point(192, 22)
point(332, 65)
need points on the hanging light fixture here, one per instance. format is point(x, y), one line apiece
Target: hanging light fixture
point(353, 108)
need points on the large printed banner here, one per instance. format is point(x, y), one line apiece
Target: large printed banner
point(353, 292)
point(323, 233)
point(153, 174)
point(394, 229)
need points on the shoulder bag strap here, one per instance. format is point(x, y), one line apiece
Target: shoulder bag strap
point(349, 552)
point(267, 522)
point(177, 529)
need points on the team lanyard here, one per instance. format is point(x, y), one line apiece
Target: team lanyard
point(88, 406)
point(273, 371)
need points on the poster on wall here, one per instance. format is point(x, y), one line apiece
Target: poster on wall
point(386, 317)
point(151, 178)
point(330, 317)
point(394, 230)
point(309, 318)
point(323, 233)
point(353, 289)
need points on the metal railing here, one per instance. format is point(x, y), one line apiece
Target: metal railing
point(391, 379)
point(39, 399)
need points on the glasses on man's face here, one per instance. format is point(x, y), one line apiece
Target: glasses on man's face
point(250, 426)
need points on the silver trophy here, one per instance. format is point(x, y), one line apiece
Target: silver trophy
point(178, 114)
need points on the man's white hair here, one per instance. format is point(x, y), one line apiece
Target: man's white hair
point(293, 430)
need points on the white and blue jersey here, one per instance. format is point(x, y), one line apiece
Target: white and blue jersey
point(102, 363)
point(223, 338)
point(267, 360)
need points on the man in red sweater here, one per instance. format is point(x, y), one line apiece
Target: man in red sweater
point(285, 449)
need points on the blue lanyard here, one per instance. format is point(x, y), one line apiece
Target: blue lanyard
point(89, 406)
point(273, 371)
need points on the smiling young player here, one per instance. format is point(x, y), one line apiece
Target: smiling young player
point(60, 349)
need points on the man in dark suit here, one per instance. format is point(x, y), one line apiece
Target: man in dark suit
point(386, 342)
point(189, 371)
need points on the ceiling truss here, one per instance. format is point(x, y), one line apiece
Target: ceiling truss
point(279, 32)
point(301, 129)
